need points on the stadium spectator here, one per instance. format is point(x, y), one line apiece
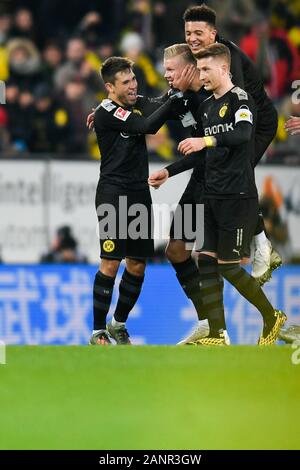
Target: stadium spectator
point(235, 17)
point(4, 136)
point(149, 80)
point(274, 53)
point(90, 29)
point(24, 62)
point(20, 107)
point(76, 66)
point(52, 59)
point(272, 205)
point(23, 25)
point(49, 125)
point(76, 101)
point(64, 248)
point(5, 27)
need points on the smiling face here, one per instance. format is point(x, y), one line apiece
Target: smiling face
point(199, 34)
point(124, 89)
point(213, 72)
point(173, 66)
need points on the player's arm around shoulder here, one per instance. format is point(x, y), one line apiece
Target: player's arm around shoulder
point(116, 117)
point(109, 115)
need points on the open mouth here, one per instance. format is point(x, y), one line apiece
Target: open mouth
point(196, 46)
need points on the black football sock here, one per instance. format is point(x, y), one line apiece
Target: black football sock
point(188, 277)
point(260, 226)
point(129, 291)
point(212, 293)
point(102, 293)
point(249, 288)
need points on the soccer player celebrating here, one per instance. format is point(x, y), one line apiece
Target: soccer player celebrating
point(121, 128)
point(228, 121)
point(179, 61)
point(200, 31)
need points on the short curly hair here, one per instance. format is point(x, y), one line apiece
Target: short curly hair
point(201, 13)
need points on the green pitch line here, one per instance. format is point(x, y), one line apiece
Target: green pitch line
point(149, 398)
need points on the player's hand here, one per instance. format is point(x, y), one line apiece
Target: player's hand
point(193, 144)
point(90, 120)
point(183, 80)
point(292, 125)
point(175, 94)
point(157, 178)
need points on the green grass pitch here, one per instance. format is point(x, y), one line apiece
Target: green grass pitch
point(149, 398)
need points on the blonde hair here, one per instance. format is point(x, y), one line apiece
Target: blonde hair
point(182, 50)
point(215, 50)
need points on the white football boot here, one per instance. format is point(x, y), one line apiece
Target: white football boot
point(261, 265)
point(201, 331)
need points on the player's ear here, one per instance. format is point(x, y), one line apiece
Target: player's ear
point(213, 34)
point(225, 69)
point(109, 87)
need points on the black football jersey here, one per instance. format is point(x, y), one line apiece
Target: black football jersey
point(121, 140)
point(228, 169)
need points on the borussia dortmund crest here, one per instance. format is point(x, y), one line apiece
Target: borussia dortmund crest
point(108, 246)
point(223, 110)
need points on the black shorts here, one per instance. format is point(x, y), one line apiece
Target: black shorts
point(184, 223)
point(125, 224)
point(229, 225)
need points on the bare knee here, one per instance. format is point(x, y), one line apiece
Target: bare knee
point(176, 251)
point(109, 267)
point(135, 266)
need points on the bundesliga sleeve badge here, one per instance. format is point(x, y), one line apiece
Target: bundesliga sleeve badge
point(122, 114)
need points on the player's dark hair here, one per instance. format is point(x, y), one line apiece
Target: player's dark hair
point(112, 66)
point(215, 50)
point(200, 13)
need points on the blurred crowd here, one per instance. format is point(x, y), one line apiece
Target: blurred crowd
point(51, 53)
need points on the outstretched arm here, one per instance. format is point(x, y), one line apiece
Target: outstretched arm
point(124, 120)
